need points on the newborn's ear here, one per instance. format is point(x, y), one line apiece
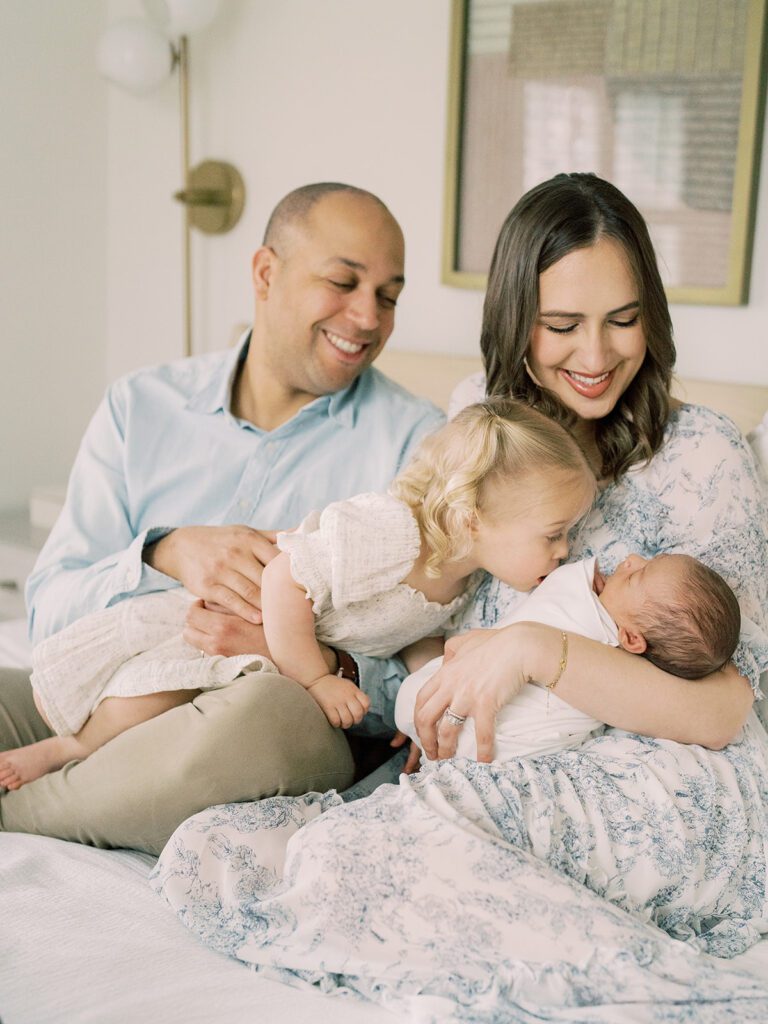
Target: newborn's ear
point(632, 642)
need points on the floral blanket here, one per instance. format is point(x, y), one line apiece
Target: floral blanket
point(554, 888)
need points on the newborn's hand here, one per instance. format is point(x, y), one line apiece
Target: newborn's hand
point(344, 703)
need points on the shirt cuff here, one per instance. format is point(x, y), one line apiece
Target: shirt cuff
point(380, 679)
point(132, 574)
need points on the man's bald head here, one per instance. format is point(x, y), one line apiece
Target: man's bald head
point(293, 210)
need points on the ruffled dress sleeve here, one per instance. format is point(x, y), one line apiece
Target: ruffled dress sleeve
point(466, 392)
point(352, 550)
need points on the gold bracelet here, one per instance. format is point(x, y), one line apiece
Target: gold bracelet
point(563, 663)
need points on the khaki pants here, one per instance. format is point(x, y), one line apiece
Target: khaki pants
point(260, 736)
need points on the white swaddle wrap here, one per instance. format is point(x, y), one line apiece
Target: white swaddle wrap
point(536, 721)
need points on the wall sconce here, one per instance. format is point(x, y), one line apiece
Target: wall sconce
point(139, 56)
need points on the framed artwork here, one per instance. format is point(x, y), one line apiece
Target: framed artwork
point(664, 98)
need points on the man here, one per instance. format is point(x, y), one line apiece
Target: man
point(292, 420)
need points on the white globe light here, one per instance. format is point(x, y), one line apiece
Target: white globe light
point(182, 17)
point(135, 54)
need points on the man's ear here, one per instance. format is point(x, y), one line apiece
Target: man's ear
point(262, 268)
point(631, 641)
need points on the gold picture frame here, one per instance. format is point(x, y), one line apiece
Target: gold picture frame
point(681, 88)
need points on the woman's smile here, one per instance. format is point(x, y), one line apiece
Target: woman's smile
point(589, 385)
point(588, 355)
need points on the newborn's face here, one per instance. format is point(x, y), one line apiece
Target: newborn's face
point(638, 582)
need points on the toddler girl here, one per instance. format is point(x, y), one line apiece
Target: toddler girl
point(497, 490)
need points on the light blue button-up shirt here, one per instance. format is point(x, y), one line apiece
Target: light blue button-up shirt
point(163, 450)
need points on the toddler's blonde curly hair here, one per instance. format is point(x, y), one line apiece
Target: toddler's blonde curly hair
point(444, 482)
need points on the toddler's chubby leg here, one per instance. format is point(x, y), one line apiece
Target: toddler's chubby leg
point(113, 716)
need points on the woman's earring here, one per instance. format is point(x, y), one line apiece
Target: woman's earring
point(530, 373)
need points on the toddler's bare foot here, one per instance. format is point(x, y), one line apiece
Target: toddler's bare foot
point(28, 763)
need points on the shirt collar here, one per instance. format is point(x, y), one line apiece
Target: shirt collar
point(341, 406)
point(216, 395)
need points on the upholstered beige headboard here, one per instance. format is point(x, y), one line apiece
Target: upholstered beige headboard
point(435, 377)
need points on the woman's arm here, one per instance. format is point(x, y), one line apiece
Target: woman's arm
point(621, 689)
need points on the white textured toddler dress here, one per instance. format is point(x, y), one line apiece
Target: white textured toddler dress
point(351, 558)
point(535, 721)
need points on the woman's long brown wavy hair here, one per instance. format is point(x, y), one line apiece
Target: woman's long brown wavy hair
point(568, 212)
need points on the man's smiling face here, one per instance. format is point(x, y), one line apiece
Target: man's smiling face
point(331, 286)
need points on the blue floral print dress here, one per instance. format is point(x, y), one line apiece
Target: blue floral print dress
point(595, 884)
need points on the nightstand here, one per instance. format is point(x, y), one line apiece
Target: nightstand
point(20, 543)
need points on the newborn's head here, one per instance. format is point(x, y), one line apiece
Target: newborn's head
point(676, 611)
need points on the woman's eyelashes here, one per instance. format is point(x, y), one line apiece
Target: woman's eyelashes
point(572, 327)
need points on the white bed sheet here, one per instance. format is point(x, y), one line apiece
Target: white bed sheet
point(83, 939)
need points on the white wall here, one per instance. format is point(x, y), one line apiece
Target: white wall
point(53, 176)
point(307, 90)
point(290, 92)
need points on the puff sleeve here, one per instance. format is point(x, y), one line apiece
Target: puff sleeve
point(352, 550)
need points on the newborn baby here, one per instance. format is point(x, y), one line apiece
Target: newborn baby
point(672, 609)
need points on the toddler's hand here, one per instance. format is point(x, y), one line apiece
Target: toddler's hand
point(344, 703)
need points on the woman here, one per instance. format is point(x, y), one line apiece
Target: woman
point(521, 891)
point(576, 322)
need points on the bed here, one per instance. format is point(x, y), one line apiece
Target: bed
point(82, 936)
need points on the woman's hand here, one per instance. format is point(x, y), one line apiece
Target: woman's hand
point(482, 671)
point(608, 684)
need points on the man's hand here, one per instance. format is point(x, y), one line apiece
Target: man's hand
point(220, 564)
point(213, 630)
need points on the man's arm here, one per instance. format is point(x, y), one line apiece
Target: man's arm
point(95, 555)
point(92, 555)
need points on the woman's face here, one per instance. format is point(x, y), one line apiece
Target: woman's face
point(588, 342)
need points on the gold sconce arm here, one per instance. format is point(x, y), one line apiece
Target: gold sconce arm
point(202, 197)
